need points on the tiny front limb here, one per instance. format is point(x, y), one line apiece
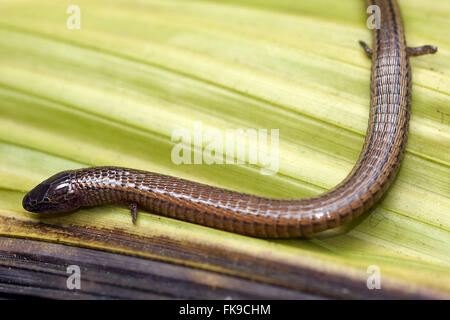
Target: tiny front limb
point(133, 210)
point(419, 51)
point(366, 48)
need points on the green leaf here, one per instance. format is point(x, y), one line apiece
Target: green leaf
point(112, 93)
